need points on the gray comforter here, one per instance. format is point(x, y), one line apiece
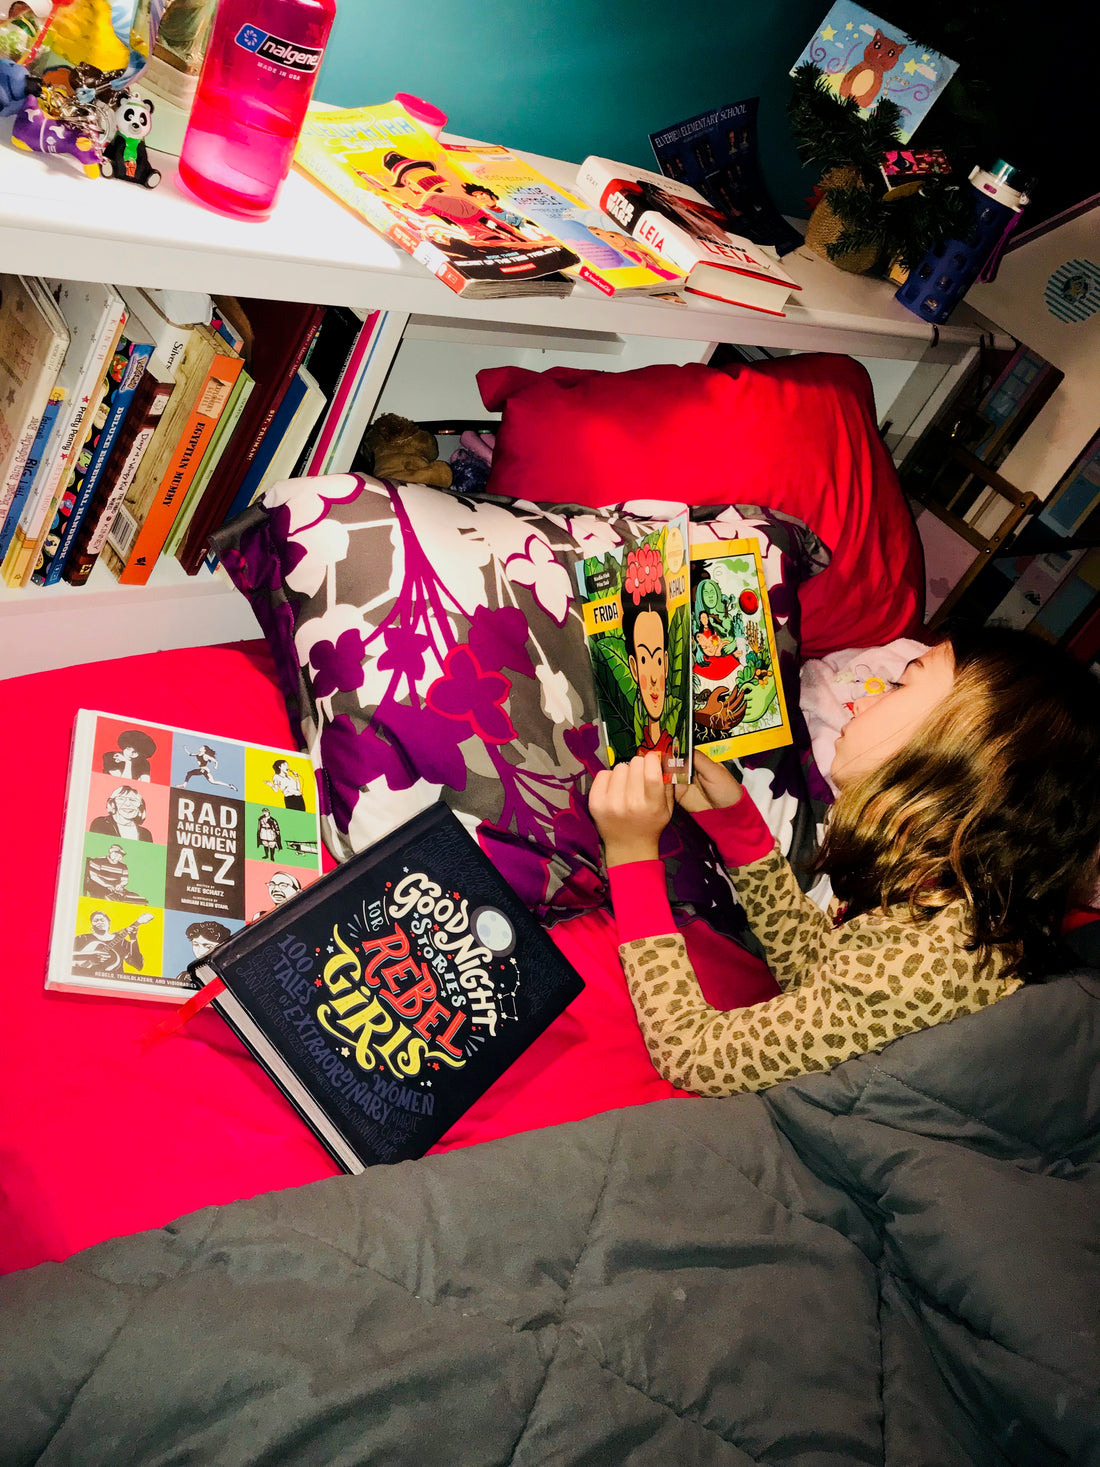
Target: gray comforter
point(898, 1262)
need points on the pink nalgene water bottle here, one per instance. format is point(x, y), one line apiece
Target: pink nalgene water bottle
point(251, 101)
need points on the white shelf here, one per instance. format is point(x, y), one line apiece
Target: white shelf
point(60, 626)
point(54, 222)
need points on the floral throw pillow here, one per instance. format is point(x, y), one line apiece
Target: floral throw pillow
point(431, 646)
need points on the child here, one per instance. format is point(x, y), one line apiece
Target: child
point(968, 820)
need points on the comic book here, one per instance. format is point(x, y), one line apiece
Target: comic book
point(637, 623)
point(384, 167)
point(388, 997)
point(609, 259)
point(172, 841)
point(738, 700)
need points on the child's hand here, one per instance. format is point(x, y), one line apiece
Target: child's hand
point(631, 805)
point(712, 786)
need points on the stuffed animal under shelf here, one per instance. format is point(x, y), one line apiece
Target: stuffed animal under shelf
point(396, 448)
point(126, 157)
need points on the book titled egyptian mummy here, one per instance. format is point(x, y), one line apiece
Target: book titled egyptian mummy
point(389, 996)
point(172, 841)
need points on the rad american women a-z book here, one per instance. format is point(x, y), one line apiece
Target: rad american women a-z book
point(173, 841)
point(392, 993)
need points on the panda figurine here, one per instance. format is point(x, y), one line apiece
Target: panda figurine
point(125, 157)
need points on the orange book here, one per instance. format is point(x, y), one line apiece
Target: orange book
point(135, 543)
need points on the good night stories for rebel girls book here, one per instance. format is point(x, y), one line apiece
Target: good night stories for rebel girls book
point(388, 997)
point(172, 841)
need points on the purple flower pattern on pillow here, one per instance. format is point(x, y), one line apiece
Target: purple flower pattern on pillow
point(434, 646)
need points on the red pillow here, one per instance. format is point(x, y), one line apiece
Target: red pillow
point(798, 434)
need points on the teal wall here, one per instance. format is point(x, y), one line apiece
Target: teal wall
point(567, 77)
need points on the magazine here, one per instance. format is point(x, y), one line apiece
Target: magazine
point(637, 623)
point(173, 840)
point(391, 172)
point(738, 701)
point(716, 154)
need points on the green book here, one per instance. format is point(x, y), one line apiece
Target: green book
point(242, 390)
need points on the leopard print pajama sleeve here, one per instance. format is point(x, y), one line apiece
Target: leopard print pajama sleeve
point(846, 990)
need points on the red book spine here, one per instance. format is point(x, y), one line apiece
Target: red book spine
point(282, 332)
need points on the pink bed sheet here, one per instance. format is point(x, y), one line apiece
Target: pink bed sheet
point(99, 1138)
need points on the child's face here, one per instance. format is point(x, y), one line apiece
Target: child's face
point(882, 725)
point(649, 663)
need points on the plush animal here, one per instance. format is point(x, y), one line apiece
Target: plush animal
point(126, 157)
point(863, 81)
point(395, 448)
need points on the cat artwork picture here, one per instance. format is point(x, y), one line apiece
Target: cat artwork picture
point(864, 57)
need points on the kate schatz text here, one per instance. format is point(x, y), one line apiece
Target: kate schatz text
point(205, 871)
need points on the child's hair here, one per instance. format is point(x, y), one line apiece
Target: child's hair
point(995, 802)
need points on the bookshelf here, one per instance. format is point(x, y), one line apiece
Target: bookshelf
point(54, 222)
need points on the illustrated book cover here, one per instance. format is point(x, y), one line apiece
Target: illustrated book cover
point(609, 259)
point(737, 692)
point(716, 154)
point(389, 996)
point(384, 167)
point(863, 57)
point(172, 841)
point(678, 223)
point(635, 603)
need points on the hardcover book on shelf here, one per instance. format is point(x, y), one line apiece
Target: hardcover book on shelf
point(679, 225)
point(298, 389)
point(33, 340)
point(150, 401)
point(280, 333)
point(219, 444)
point(392, 173)
point(173, 840)
point(125, 371)
point(327, 360)
point(350, 412)
point(389, 996)
point(637, 623)
point(205, 383)
point(94, 316)
point(609, 259)
point(297, 438)
point(737, 693)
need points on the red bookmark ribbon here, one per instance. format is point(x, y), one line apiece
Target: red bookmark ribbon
point(183, 1015)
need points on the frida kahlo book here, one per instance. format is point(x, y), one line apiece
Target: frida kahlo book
point(388, 997)
point(635, 603)
point(737, 691)
point(173, 840)
point(387, 169)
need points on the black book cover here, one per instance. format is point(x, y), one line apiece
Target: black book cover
point(390, 994)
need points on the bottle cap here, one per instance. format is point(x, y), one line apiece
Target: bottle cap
point(430, 118)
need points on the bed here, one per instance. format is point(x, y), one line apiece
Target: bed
point(895, 1262)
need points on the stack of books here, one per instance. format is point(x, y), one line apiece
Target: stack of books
point(134, 423)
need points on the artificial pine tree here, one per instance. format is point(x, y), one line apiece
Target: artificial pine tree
point(870, 228)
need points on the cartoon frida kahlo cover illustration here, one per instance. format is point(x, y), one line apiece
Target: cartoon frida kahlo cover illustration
point(636, 621)
point(739, 706)
point(173, 841)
